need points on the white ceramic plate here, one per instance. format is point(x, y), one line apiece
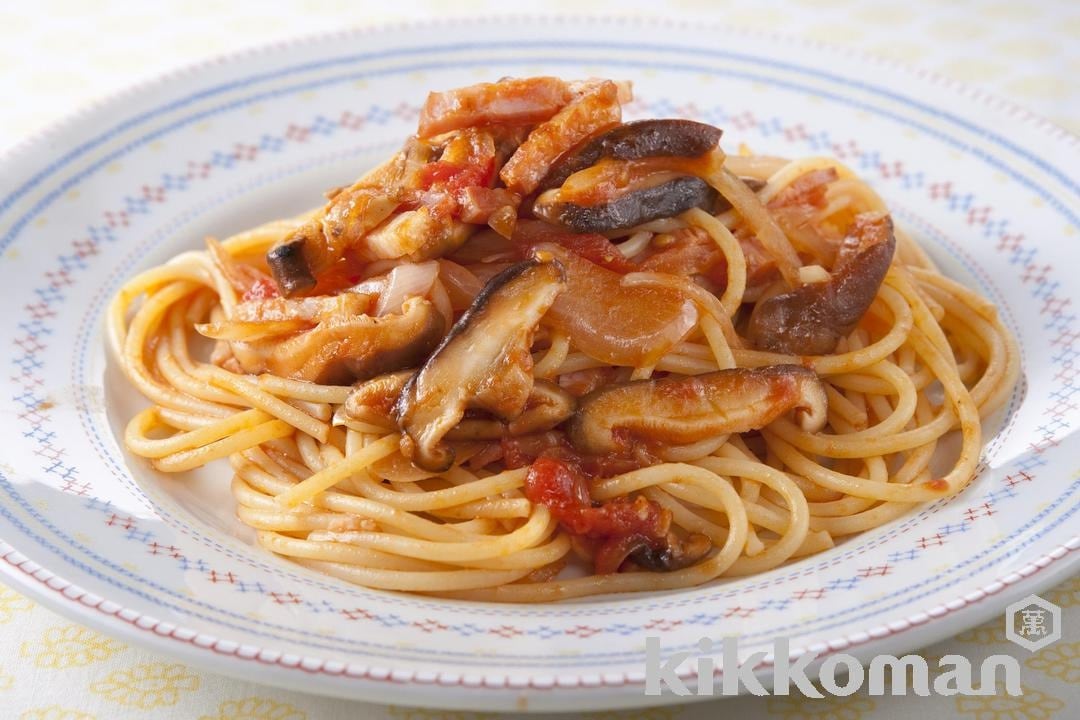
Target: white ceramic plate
point(161, 561)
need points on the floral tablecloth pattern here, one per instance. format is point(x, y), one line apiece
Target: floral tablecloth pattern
point(51, 669)
point(58, 54)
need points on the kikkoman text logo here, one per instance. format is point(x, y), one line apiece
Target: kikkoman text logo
point(1032, 623)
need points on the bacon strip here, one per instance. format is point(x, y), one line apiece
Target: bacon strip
point(595, 110)
point(508, 101)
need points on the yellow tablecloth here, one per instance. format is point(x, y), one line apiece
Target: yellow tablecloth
point(58, 54)
point(51, 669)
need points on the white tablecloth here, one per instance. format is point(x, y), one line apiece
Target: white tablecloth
point(58, 54)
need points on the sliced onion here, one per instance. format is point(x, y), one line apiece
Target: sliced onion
point(372, 286)
point(486, 270)
point(461, 284)
point(251, 330)
point(616, 323)
point(405, 281)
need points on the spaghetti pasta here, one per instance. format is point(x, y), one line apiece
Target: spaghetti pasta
point(638, 364)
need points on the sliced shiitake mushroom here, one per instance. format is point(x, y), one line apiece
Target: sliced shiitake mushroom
point(347, 348)
point(288, 264)
point(811, 319)
point(636, 141)
point(316, 245)
point(547, 406)
point(678, 411)
point(373, 401)
point(408, 207)
point(654, 196)
point(630, 175)
point(484, 363)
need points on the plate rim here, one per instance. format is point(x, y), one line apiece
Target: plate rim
point(74, 601)
point(160, 79)
point(370, 683)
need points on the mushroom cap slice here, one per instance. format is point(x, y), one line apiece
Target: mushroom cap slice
point(635, 141)
point(317, 244)
point(668, 198)
point(547, 406)
point(484, 362)
point(288, 263)
point(347, 348)
point(629, 175)
point(811, 319)
point(373, 401)
point(677, 411)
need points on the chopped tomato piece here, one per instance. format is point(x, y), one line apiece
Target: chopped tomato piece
point(452, 176)
point(621, 526)
point(558, 485)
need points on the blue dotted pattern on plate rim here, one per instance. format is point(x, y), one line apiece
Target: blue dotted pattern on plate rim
point(1021, 256)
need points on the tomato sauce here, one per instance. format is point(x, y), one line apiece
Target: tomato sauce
point(616, 528)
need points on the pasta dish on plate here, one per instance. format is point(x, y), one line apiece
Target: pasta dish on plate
point(541, 353)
